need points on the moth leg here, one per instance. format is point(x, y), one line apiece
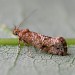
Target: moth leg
point(29, 53)
point(19, 43)
point(27, 47)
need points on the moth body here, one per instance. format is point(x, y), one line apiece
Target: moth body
point(48, 44)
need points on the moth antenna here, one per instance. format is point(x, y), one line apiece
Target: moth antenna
point(15, 26)
point(27, 17)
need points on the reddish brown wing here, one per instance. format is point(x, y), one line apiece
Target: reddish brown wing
point(64, 44)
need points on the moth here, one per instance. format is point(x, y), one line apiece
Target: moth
point(52, 45)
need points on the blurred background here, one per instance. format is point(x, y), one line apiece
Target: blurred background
point(52, 17)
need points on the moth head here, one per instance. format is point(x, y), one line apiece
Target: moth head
point(16, 30)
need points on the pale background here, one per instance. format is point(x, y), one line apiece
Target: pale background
point(52, 17)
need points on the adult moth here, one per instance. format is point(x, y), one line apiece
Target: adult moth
point(48, 44)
